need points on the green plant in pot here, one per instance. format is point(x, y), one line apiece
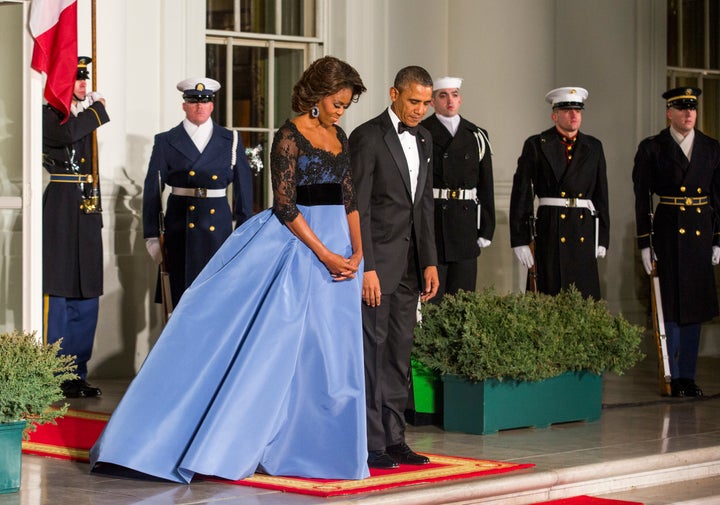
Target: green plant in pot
point(30, 377)
point(523, 338)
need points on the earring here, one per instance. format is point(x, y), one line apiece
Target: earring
point(314, 112)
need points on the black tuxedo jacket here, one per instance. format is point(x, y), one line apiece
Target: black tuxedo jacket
point(390, 221)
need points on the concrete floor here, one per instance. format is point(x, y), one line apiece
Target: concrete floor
point(644, 448)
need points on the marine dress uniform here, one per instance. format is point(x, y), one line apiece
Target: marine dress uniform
point(569, 178)
point(72, 241)
point(198, 217)
point(683, 232)
point(464, 200)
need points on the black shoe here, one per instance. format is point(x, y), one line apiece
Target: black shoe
point(677, 388)
point(691, 389)
point(89, 390)
point(79, 388)
point(405, 456)
point(381, 460)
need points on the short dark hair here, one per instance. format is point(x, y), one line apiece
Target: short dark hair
point(412, 75)
point(324, 77)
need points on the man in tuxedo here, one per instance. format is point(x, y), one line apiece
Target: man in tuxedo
point(565, 169)
point(391, 157)
point(462, 187)
point(682, 166)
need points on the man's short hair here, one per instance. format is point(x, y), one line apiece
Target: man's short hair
point(412, 75)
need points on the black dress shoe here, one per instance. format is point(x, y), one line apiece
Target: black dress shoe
point(691, 389)
point(405, 456)
point(677, 388)
point(89, 390)
point(381, 460)
point(79, 388)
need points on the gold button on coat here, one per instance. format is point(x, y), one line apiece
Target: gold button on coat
point(562, 239)
point(192, 207)
point(191, 225)
point(582, 239)
point(214, 177)
point(682, 189)
point(562, 216)
point(562, 193)
point(212, 228)
point(697, 233)
point(212, 211)
point(682, 231)
point(192, 173)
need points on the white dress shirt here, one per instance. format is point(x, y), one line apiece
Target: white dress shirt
point(410, 149)
point(200, 135)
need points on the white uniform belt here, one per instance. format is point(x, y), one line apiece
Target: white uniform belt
point(570, 203)
point(200, 192)
point(575, 203)
point(455, 194)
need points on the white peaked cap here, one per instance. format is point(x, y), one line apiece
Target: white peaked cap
point(200, 85)
point(570, 97)
point(447, 83)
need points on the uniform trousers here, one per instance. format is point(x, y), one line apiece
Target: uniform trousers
point(683, 342)
point(74, 320)
point(456, 275)
point(387, 343)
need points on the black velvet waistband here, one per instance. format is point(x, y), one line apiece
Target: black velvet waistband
point(320, 194)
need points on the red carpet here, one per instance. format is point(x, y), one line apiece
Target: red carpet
point(71, 438)
point(75, 434)
point(441, 468)
point(587, 500)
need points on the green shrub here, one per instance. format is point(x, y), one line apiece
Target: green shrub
point(524, 336)
point(30, 377)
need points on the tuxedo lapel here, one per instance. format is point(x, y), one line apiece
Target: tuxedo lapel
point(393, 143)
point(422, 144)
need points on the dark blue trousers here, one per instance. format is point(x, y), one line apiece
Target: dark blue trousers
point(74, 320)
point(683, 342)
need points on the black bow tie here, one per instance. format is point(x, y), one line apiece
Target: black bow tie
point(402, 127)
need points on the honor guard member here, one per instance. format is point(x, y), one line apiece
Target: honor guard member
point(72, 241)
point(681, 166)
point(198, 159)
point(462, 188)
point(565, 169)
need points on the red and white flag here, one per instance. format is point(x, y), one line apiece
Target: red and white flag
point(53, 25)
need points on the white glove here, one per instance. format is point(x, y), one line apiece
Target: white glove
point(93, 97)
point(525, 256)
point(716, 255)
point(646, 260)
point(601, 252)
point(152, 245)
point(483, 242)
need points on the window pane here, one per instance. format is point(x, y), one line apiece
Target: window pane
point(715, 35)
point(220, 15)
point(673, 59)
point(693, 33)
point(298, 17)
point(289, 65)
point(250, 84)
point(217, 69)
point(710, 103)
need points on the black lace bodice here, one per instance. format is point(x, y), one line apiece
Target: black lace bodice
point(294, 161)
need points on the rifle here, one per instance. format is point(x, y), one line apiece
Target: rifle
point(531, 284)
point(165, 292)
point(91, 203)
point(658, 318)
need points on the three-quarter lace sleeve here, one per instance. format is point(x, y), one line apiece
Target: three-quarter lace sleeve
point(283, 162)
point(349, 196)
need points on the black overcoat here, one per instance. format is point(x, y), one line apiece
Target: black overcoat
point(683, 235)
point(72, 240)
point(565, 237)
point(456, 165)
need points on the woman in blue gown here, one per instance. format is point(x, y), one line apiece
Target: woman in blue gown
point(260, 367)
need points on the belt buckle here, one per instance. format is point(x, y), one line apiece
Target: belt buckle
point(454, 194)
point(572, 202)
point(688, 201)
point(201, 192)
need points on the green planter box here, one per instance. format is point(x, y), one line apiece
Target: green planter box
point(486, 407)
point(425, 403)
point(10, 456)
